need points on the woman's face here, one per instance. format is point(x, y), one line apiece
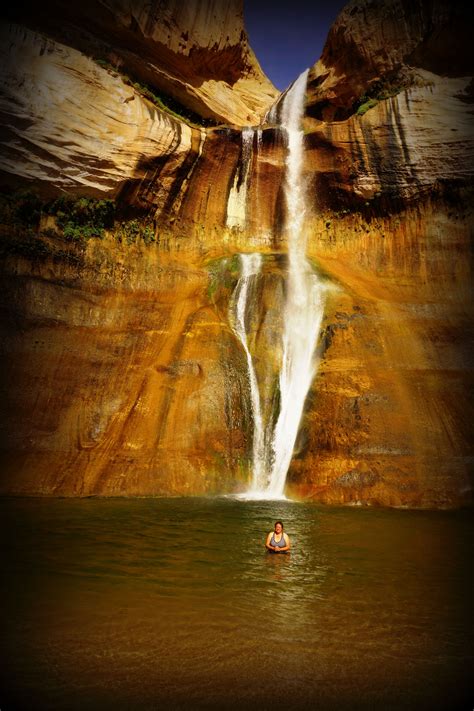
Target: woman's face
point(278, 528)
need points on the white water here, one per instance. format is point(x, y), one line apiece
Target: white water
point(304, 304)
point(302, 316)
point(251, 265)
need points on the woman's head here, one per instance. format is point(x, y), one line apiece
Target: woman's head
point(278, 527)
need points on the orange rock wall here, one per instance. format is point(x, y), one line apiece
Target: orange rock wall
point(389, 414)
point(122, 378)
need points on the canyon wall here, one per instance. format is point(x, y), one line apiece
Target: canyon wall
point(122, 373)
point(390, 143)
point(196, 54)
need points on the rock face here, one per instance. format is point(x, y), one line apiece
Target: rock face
point(374, 48)
point(124, 375)
point(48, 138)
point(392, 174)
point(391, 412)
point(400, 149)
point(196, 53)
point(121, 381)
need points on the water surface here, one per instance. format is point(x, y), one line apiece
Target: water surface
point(173, 603)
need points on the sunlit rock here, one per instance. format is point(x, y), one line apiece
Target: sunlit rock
point(194, 52)
point(72, 125)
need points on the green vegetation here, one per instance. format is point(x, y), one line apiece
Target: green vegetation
point(75, 220)
point(216, 273)
point(20, 215)
point(132, 231)
point(82, 218)
point(76, 217)
point(364, 107)
point(164, 102)
point(23, 209)
point(223, 274)
point(379, 91)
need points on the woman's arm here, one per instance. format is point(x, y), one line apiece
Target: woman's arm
point(267, 543)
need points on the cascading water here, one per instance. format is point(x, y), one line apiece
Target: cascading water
point(304, 299)
point(250, 269)
point(303, 312)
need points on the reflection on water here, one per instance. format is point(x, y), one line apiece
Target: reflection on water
point(174, 603)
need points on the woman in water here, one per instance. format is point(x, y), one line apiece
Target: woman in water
point(277, 541)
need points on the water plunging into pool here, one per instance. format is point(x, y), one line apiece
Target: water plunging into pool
point(302, 315)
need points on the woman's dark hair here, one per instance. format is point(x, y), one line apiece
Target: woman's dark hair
point(281, 524)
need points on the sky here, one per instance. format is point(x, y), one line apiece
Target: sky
point(288, 36)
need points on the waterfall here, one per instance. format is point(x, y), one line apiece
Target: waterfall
point(302, 315)
point(304, 303)
point(250, 269)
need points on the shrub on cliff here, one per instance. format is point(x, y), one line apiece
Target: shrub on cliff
point(82, 218)
point(132, 231)
point(76, 219)
point(368, 104)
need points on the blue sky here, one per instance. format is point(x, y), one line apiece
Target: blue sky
point(288, 35)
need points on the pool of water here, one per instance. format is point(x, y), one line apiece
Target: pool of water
point(174, 604)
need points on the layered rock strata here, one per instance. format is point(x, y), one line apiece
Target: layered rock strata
point(196, 53)
point(68, 124)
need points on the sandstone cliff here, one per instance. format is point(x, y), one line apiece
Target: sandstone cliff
point(195, 53)
point(390, 143)
point(374, 49)
point(124, 374)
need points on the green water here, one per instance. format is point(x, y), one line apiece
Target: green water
point(173, 604)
